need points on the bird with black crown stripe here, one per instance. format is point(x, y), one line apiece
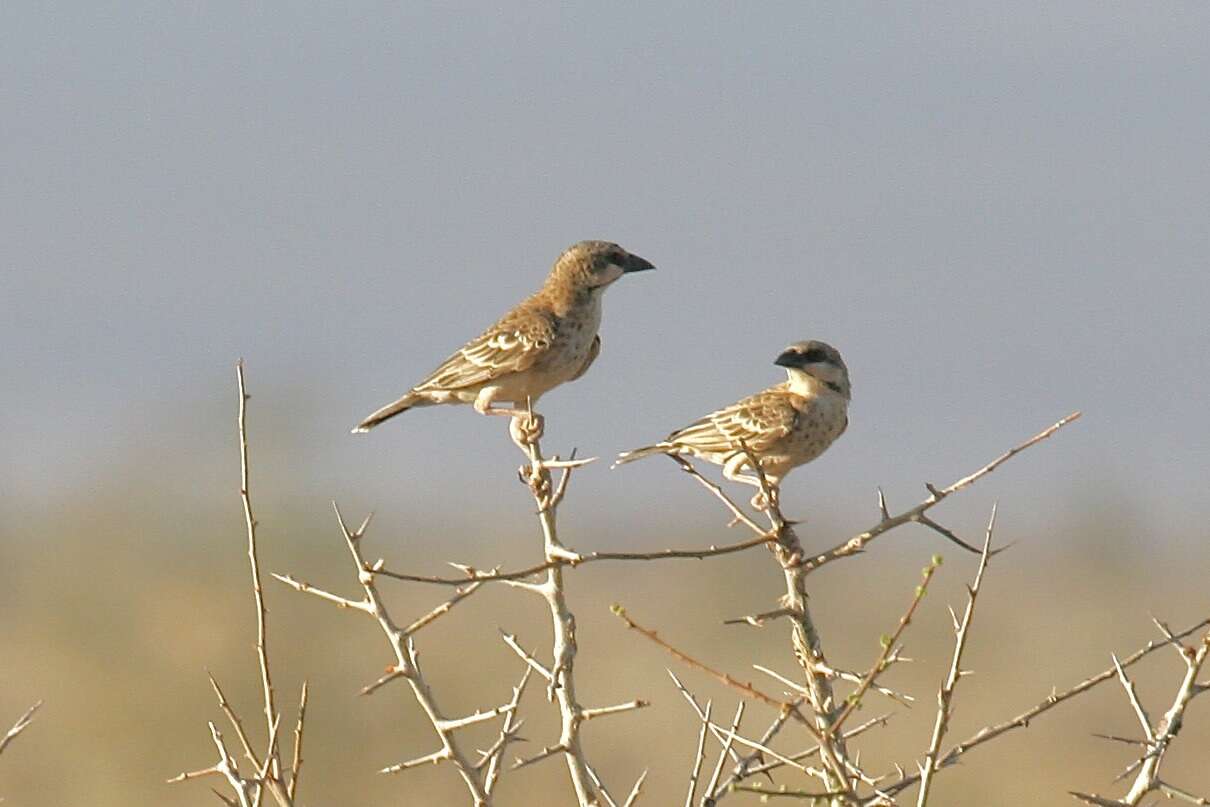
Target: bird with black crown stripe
point(783, 427)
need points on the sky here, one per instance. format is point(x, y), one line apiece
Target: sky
point(996, 212)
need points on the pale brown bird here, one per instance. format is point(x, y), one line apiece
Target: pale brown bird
point(783, 427)
point(548, 339)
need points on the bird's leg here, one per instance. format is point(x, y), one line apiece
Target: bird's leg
point(526, 426)
point(731, 470)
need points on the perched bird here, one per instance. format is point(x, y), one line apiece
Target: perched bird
point(550, 338)
point(784, 426)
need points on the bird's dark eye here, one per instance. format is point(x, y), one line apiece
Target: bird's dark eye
point(815, 356)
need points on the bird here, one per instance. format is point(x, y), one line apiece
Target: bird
point(783, 427)
point(548, 339)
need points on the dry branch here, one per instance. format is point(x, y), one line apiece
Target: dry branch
point(1160, 737)
point(745, 689)
point(21, 725)
point(888, 644)
point(561, 673)
point(268, 773)
point(473, 575)
point(945, 695)
point(262, 651)
point(991, 732)
point(859, 542)
point(407, 667)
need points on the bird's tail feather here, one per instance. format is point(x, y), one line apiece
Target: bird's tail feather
point(639, 453)
point(386, 413)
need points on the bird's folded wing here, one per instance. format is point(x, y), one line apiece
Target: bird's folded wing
point(510, 346)
point(757, 422)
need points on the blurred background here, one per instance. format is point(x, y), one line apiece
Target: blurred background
point(998, 212)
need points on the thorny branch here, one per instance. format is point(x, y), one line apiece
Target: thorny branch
point(989, 733)
point(268, 774)
point(21, 725)
point(472, 575)
point(780, 537)
point(1159, 739)
point(262, 651)
point(561, 673)
point(745, 689)
point(859, 542)
point(407, 667)
point(945, 696)
point(888, 645)
point(839, 772)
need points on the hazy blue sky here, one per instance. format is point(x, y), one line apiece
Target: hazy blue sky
point(998, 212)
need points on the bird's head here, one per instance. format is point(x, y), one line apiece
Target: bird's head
point(816, 360)
point(595, 264)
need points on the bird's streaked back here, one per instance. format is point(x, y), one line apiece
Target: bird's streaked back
point(783, 427)
point(548, 339)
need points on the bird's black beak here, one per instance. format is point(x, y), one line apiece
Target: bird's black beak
point(791, 358)
point(636, 264)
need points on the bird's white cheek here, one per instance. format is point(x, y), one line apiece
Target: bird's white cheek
point(612, 272)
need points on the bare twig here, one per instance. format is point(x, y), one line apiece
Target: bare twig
point(796, 564)
point(805, 639)
point(708, 793)
point(246, 791)
point(636, 790)
point(989, 733)
point(881, 720)
point(698, 757)
point(747, 690)
point(268, 773)
point(601, 788)
point(742, 768)
point(476, 576)
point(739, 515)
point(1159, 737)
point(888, 643)
point(761, 748)
point(236, 723)
point(845, 675)
point(527, 657)
point(701, 715)
point(786, 792)
point(262, 651)
point(546, 753)
point(21, 725)
point(789, 707)
point(605, 711)
point(442, 609)
point(945, 696)
point(562, 684)
point(758, 620)
point(507, 734)
point(407, 667)
point(1133, 696)
point(858, 543)
point(296, 759)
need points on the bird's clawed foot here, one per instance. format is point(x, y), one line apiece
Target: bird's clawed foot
point(526, 429)
point(761, 502)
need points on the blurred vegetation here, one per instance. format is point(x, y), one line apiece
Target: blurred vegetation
point(118, 595)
